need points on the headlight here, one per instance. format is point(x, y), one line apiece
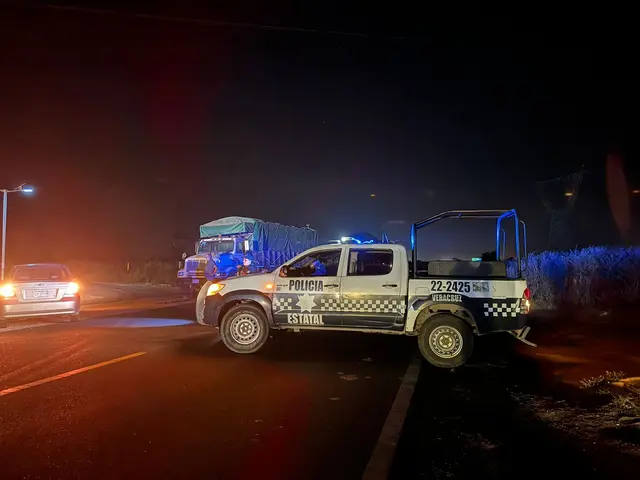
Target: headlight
point(214, 288)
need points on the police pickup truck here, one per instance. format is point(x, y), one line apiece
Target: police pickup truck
point(375, 288)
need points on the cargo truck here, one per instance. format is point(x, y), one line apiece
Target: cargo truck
point(229, 243)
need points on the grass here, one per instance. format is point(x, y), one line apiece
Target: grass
point(157, 272)
point(602, 380)
point(625, 401)
point(626, 404)
point(594, 277)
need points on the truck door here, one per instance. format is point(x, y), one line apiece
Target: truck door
point(307, 292)
point(371, 288)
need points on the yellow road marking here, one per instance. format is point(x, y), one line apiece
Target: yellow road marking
point(19, 388)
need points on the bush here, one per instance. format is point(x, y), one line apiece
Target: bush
point(599, 277)
point(158, 272)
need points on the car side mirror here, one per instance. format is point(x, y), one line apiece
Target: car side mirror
point(184, 255)
point(284, 271)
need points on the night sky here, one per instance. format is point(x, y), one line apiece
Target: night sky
point(137, 130)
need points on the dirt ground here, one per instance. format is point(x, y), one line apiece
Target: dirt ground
point(521, 411)
point(581, 360)
point(574, 347)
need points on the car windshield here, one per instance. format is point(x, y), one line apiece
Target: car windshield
point(39, 272)
point(216, 246)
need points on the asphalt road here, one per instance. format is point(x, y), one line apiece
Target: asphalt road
point(152, 395)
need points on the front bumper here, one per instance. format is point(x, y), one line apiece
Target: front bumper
point(502, 324)
point(191, 280)
point(41, 309)
point(212, 306)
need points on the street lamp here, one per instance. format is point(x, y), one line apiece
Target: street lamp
point(5, 192)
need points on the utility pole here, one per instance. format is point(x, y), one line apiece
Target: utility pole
point(5, 192)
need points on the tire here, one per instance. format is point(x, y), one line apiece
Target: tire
point(202, 296)
point(244, 329)
point(445, 341)
point(74, 318)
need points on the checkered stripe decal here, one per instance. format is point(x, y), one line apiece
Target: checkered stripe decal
point(501, 309)
point(283, 303)
point(329, 304)
point(332, 303)
point(362, 305)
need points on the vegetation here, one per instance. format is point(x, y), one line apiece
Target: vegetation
point(157, 272)
point(623, 394)
point(600, 277)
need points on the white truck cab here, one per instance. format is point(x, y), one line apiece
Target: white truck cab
point(373, 288)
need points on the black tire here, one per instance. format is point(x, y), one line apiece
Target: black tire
point(445, 341)
point(244, 329)
point(74, 318)
point(202, 296)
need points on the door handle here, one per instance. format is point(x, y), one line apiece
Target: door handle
point(330, 285)
point(390, 285)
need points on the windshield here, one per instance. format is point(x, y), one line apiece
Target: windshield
point(39, 272)
point(216, 246)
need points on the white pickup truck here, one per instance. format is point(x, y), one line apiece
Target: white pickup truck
point(372, 288)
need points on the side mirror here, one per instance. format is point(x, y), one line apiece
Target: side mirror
point(184, 255)
point(284, 270)
point(246, 246)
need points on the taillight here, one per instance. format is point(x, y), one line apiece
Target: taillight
point(72, 289)
point(7, 291)
point(526, 301)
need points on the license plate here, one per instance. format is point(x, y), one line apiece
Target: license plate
point(195, 281)
point(40, 294)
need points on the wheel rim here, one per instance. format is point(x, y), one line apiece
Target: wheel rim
point(245, 329)
point(446, 342)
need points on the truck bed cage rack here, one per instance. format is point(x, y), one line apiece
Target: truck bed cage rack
point(498, 215)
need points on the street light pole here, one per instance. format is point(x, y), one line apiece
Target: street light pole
point(4, 229)
point(5, 193)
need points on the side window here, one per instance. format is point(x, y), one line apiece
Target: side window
point(316, 264)
point(370, 262)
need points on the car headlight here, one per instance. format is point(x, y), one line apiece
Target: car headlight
point(214, 288)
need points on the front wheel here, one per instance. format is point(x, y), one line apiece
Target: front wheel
point(244, 329)
point(445, 341)
point(202, 297)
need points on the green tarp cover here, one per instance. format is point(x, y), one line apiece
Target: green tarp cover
point(228, 226)
point(266, 236)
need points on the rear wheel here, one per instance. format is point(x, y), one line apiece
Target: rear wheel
point(244, 329)
point(74, 318)
point(445, 341)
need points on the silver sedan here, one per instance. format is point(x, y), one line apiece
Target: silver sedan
point(39, 290)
